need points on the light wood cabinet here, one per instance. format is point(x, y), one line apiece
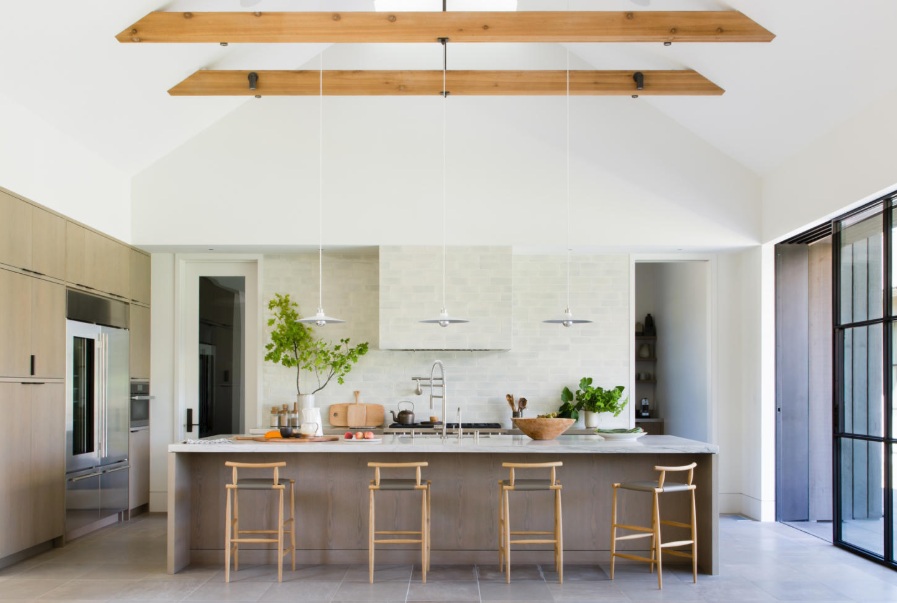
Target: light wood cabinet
point(47, 243)
point(31, 238)
point(32, 320)
point(48, 328)
point(15, 325)
point(47, 461)
point(15, 231)
point(140, 342)
point(33, 467)
point(15, 470)
point(96, 262)
point(140, 277)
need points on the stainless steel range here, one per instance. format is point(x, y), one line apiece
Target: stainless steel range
point(427, 427)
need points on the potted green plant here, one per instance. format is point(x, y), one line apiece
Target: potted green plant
point(294, 345)
point(592, 400)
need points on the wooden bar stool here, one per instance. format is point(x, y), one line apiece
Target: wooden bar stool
point(661, 486)
point(504, 526)
point(233, 535)
point(423, 535)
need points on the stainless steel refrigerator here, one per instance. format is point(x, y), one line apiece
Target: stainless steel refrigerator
point(97, 415)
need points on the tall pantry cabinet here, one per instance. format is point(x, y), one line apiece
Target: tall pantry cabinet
point(41, 254)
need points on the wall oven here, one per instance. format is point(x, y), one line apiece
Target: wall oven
point(140, 403)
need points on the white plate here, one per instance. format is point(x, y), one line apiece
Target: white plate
point(363, 441)
point(621, 436)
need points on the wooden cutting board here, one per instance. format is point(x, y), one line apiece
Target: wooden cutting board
point(298, 440)
point(363, 415)
point(338, 415)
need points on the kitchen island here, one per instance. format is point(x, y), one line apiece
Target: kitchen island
point(332, 484)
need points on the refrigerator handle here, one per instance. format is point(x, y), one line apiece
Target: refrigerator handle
point(101, 394)
point(189, 420)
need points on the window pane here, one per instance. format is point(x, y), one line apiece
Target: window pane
point(863, 401)
point(862, 494)
point(861, 268)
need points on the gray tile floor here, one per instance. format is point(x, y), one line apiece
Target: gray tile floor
point(760, 562)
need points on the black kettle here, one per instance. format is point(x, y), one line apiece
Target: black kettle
point(405, 417)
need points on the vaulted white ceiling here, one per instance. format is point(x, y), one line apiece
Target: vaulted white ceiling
point(830, 59)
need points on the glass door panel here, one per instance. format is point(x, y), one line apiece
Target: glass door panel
point(861, 269)
point(83, 385)
point(863, 410)
point(862, 494)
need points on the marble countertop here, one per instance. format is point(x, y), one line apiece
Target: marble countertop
point(501, 444)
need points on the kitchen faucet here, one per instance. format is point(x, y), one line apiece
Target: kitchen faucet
point(434, 383)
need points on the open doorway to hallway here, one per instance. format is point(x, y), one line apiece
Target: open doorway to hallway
point(672, 366)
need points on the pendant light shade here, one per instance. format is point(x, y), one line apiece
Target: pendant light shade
point(567, 318)
point(320, 318)
point(444, 320)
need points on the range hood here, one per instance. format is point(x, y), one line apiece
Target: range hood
point(479, 288)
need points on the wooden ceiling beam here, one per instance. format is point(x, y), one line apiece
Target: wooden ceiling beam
point(459, 83)
point(421, 27)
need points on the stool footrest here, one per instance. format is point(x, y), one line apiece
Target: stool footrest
point(406, 532)
point(252, 540)
point(398, 541)
point(677, 543)
point(532, 532)
point(534, 541)
point(621, 526)
point(677, 524)
point(256, 532)
point(635, 557)
point(634, 536)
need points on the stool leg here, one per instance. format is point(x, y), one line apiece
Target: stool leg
point(613, 534)
point(236, 545)
point(293, 525)
point(501, 529)
point(423, 536)
point(227, 535)
point(507, 512)
point(280, 536)
point(694, 540)
point(558, 537)
point(429, 523)
point(371, 537)
point(657, 542)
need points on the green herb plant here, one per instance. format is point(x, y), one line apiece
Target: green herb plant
point(294, 345)
point(591, 399)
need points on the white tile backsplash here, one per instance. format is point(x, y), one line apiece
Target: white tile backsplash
point(543, 358)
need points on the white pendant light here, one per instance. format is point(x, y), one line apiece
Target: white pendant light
point(567, 318)
point(320, 318)
point(444, 320)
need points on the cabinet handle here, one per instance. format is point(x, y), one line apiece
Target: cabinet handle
point(190, 420)
point(32, 365)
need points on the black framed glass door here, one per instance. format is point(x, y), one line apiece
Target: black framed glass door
point(865, 359)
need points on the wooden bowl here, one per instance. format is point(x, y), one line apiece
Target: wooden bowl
point(543, 428)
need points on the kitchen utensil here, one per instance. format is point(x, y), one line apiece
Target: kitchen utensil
point(286, 432)
point(510, 399)
point(338, 415)
point(357, 414)
point(405, 417)
point(521, 404)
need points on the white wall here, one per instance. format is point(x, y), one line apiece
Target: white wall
point(637, 177)
point(48, 167)
point(854, 163)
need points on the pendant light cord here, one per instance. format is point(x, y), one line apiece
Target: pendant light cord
point(444, 101)
point(568, 177)
point(321, 185)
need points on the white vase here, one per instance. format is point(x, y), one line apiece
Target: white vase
point(591, 419)
point(305, 401)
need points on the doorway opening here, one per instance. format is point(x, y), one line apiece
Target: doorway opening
point(672, 365)
point(803, 293)
point(222, 314)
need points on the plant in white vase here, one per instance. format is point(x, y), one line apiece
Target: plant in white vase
point(294, 345)
point(594, 400)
